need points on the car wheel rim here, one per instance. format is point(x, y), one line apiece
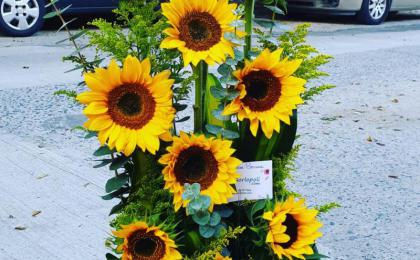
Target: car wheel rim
point(20, 15)
point(377, 8)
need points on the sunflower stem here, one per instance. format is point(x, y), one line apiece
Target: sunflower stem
point(201, 72)
point(249, 15)
point(140, 167)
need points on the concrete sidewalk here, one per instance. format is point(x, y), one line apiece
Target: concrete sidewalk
point(49, 206)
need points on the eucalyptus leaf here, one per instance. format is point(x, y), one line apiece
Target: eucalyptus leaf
point(103, 163)
point(215, 219)
point(110, 256)
point(118, 163)
point(195, 188)
point(117, 208)
point(225, 211)
point(201, 218)
point(230, 134)
point(207, 231)
point(102, 151)
point(116, 183)
point(275, 9)
point(116, 193)
point(195, 204)
point(225, 70)
point(215, 130)
point(183, 119)
point(205, 202)
point(268, 24)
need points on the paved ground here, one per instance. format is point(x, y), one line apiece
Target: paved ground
point(360, 147)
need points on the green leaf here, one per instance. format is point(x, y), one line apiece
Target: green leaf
point(225, 70)
point(103, 163)
point(225, 211)
point(215, 219)
point(195, 188)
point(230, 134)
point(55, 13)
point(218, 115)
point(119, 162)
point(102, 151)
point(194, 238)
point(117, 208)
point(275, 9)
point(201, 218)
point(215, 130)
point(315, 256)
point(116, 193)
point(257, 206)
point(180, 107)
point(205, 202)
point(195, 204)
point(66, 24)
point(187, 195)
point(268, 24)
point(207, 231)
point(116, 183)
point(74, 36)
point(51, 3)
point(183, 119)
point(111, 257)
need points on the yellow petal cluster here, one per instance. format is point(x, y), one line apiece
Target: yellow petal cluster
point(284, 92)
point(218, 183)
point(127, 232)
point(211, 18)
point(303, 232)
point(149, 100)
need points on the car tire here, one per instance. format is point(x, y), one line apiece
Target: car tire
point(374, 12)
point(21, 18)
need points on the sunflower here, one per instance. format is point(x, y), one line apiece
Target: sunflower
point(142, 242)
point(128, 107)
point(293, 228)
point(220, 257)
point(268, 92)
point(197, 159)
point(198, 29)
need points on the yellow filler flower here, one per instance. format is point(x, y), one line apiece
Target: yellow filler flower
point(197, 159)
point(128, 107)
point(198, 29)
point(142, 242)
point(293, 228)
point(268, 92)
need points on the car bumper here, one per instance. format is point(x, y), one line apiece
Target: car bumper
point(328, 6)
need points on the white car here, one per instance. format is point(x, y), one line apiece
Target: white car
point(367, 11)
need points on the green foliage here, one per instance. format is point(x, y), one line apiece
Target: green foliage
point(70, 94)
point(283, 167)
point(198, 207)
point(295, 46)
point(328, 207)
point(217, 246)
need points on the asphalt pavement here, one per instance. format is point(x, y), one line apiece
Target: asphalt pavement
point(360, 146)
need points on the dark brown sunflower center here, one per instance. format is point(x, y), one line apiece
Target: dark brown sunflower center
point(146, 246)
point(196, 165)
point(131, 106)
point(292, 230)
point(199, 30)
point(263, 90)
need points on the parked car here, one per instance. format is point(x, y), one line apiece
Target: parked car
point(367, 11)
point(25, 17)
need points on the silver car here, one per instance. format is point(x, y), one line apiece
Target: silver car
point(367, 11)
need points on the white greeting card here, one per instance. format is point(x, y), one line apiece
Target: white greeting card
point(256, 181)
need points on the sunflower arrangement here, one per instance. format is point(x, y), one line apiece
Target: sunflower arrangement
point(178, 190)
